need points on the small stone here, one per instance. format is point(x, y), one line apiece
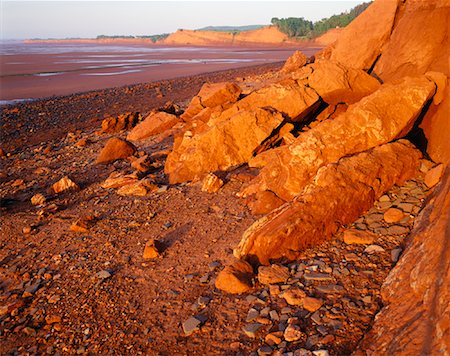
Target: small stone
point(330, 288)
point(316, 318)
point(274, 290)
point(315, 276)
point(294, 296)
point(235, 278)
point(191, 325)
point(52, 319)
point(252, 329)
point(406, 207)
point(27, 230)
point(29, 331)
point(252, 315)
point(397, 230)
point(273, 338)
point(321, 353)
point(286, 310)
point(103, 274)
point(433, 176)
point(395, 254)
point(212, 183)
point(151, 250)
point(204, 279)
point(293, 333)
point(214, 265)
point(38, 199)
point(302, 352)
point(384, 198)
point(358, 237)
point(367, 299)
point(274, 315)
point(273, 274)
point(83, 224)
point(64, 184)
point(312, 304)
point(265, 350)
point(393, 215)
point(82, 142)
point(373, 249)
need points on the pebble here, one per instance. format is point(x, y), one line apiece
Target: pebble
point(395, 254)
point(38, 199)
point(393, 215)
point(359, 237)
point(214, 265)
point(104, 274)
point(293, 333)
point(312, 304)
point(373, 249)
point(321, 353)
point(330, 288)
point(252, 329)
point(294, 296)
point(27, 230)
point(397, 230)
point(274, 315)
point(314, 276)
point(265, 350)
point(252, 315)
point(273, 338)
point(191, 325)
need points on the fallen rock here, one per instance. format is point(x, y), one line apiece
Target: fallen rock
point(123, 122)
point(434, 175)
point(235, 278)
point(115, 149)
point(415, 295)
point(212, 183)
point(64, 184)
point(336, 83)
point(359, 237)
point(312, 304)
point(38, 199)
point(273, 274)
point(381, 117)
point(151, 250)
point(393, 215)
point(294, 296)
point(373, 249)
point(293, 333)
point(294, 62)
point(139, 189)
point(316, 214)
point(225, 145)
point(118, 180)
point(211, 95)
point(191, 325)
point(153, 124)
point(251, 330)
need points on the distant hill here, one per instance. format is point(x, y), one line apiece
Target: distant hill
point(231, 28)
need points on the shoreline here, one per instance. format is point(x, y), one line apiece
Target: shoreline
point(29, 123)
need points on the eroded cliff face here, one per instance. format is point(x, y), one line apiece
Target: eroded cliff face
point(265, 35)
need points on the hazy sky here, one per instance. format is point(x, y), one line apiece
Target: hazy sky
point(60, 19)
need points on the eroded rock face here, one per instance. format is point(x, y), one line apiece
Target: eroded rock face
point(381, 117)
point(225, 145)
point(153, 124)
point(211, 95)
point(416, 294)
point(365, 38)
point(317, 213)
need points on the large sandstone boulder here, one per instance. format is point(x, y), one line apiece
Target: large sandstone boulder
point(153, 124)
point(365, 38)
point(229, 143)
point(316, 214)
point(211, 95)
point(336, 83)
point(381, 117)
point(293, 100)
point(415, 319)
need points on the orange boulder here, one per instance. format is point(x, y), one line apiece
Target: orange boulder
point(153, 124)
point(115, 149)
point(294, 62)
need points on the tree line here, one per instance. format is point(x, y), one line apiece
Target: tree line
point(299, 27)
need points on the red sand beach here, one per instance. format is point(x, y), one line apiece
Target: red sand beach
point(38, 70)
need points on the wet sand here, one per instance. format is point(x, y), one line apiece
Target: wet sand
point(80, 67)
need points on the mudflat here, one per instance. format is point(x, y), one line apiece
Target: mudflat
point(38, 70)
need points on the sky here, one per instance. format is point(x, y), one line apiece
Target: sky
point(87, 19)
